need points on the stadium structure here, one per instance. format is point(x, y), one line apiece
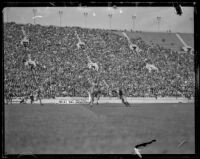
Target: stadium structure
point(59, 57)
point(156, 70)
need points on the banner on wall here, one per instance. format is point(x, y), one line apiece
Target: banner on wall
point(72, 101)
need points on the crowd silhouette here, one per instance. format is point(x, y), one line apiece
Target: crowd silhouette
point(61, 63)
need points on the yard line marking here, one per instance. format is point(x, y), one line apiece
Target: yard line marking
point(181, 144)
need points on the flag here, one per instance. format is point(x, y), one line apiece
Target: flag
point(93, 65)
point(134, 47)
point(151, 67)
point(80, 44)
point(24, 41)
point(30, 63)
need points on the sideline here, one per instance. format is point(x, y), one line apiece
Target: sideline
point(84, 100)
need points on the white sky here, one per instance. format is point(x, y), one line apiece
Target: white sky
point(98, 17)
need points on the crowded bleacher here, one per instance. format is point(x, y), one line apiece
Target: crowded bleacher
point(48, 56)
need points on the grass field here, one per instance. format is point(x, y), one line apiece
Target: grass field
point(102, 129)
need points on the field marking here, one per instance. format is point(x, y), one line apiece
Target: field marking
point(181, 143)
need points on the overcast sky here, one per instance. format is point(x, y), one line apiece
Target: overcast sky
point(146, 17)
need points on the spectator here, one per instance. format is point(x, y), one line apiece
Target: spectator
point(63, 74)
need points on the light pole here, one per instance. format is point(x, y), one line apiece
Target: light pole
point(158, 21)
point(60, 13)
point(85, 15)
point(110, 17)
point(34, 14)
point(134, 21)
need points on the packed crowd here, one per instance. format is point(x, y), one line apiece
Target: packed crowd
point(62, 68)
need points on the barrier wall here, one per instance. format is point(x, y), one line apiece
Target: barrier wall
point(84, 100)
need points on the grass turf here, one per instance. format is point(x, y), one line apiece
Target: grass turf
point(102, 129)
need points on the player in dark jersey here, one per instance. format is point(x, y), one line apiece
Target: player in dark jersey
point(31, 98)
point(92, 93)
point(39, 96)
point(23, 100)
point(96, 94)
point(122, 96)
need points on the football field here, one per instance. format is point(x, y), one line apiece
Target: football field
point(101, 129)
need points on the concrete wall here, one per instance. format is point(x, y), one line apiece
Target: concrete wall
point(83, 100)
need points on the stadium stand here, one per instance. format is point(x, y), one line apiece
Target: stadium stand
point(167, 40)
point(62, 68)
